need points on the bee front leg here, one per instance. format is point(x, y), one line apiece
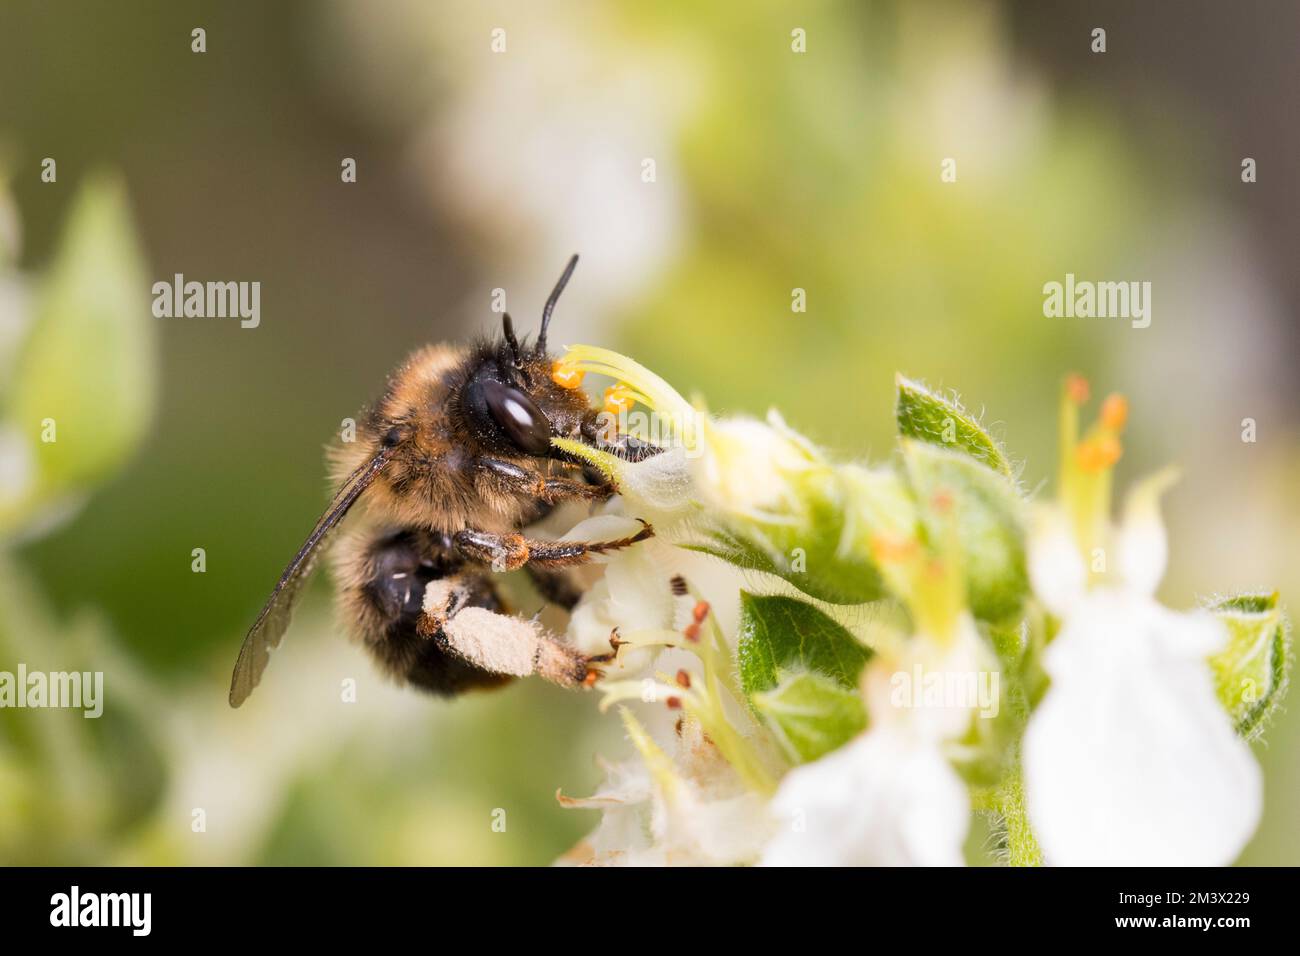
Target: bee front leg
point(507, 478)
point(507, 552)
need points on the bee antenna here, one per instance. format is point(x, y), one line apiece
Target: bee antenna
point(508, 329)
point(550, 302)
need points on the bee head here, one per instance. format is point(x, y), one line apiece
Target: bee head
point(518, 398)
point(514, 402)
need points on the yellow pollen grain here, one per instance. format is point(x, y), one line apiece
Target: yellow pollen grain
point(566, 375)
point(618, 398)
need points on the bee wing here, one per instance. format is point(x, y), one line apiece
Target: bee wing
point(273, 621)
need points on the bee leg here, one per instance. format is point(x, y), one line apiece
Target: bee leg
point(511, 646)
point(507, 478)
point(594, 661)
point(506, 552)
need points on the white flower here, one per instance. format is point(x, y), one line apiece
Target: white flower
point(745, 467)
point(1130, 759)
point(635, 593)
point(883, 799)
point(688, 810)
point(890, 797)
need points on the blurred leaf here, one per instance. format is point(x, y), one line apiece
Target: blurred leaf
point(82, 783)
point(87, 368)
point(1251, 674)
point(812, 714)
point(929, 417)
point(780, 634)
point(10, 230)
point(986, 511)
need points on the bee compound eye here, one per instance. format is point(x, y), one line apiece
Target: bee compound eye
point(524, 423)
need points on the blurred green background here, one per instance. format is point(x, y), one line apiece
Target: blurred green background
point(772, 170)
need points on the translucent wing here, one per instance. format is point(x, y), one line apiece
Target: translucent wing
point(273, 621)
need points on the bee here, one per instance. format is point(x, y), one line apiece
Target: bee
point(452, 462)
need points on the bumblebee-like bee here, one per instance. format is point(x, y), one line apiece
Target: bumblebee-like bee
point(452, 462)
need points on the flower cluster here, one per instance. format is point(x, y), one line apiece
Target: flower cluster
point(825, 663)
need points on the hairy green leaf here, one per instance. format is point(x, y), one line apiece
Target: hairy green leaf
point(929, 417)
point(1251, 674)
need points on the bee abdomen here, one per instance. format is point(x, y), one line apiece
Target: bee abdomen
point(383, 583)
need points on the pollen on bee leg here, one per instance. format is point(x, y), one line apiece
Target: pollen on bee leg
point(436, 607)
point(502, 644)
point(566, 374)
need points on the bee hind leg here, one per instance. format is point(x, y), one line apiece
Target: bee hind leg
point(510, 646)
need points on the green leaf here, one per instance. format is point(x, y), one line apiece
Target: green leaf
point(86, 374)
point(929, 417)
point(1251, 674)
point(781, 634)
point(988, 515)
point(814, 566)
point(811, 714)
point(824, 550)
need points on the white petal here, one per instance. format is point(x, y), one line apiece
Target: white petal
point(1142, 547)
point(607, 527)
point(746, 465)
point(1056, 568)
point(1130, 759)
point(880, 800)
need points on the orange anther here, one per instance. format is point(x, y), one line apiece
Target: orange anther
point(1076, 388)
point(1114, 412)
point(1100, 453)
point(565, 375)
point(618, 399)
point(692, 632)
point(683, 679)
point(700, 611)
point(674, 703)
